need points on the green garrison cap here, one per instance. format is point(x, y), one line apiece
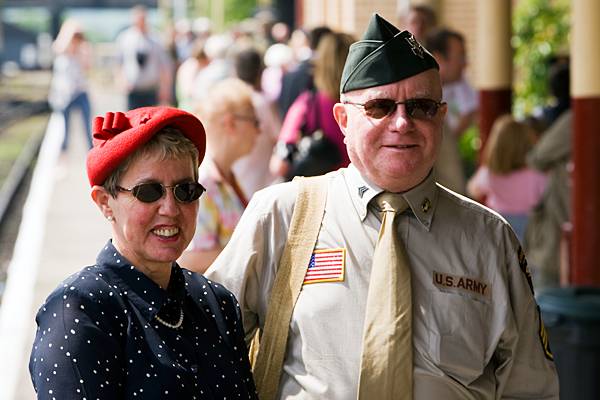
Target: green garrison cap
point(384, 55)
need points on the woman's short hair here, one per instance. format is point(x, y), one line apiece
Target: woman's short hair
point(227, 95)
point(168, 144)
point(329, 62)
point(508, 145)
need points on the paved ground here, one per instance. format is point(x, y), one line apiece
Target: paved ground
point(61, 231)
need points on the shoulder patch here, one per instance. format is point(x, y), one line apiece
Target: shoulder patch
point(524, 268)
point(543, 333)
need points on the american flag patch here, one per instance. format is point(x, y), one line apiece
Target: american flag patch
point(326, 266)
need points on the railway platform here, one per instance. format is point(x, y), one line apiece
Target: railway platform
point(61, 231)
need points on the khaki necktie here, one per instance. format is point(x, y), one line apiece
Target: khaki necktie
point(386, 363)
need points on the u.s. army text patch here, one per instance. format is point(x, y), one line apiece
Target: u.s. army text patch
point(463, 283)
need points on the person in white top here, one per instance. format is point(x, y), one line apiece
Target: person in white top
point(186, 74)
point(145, 69)
point(477, 332)
point(69, 84)
point(216, 48)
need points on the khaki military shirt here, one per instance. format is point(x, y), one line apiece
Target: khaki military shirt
point(476, 330)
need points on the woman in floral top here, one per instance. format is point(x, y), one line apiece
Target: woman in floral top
point(231, 131)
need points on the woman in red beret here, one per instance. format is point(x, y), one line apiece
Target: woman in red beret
point(135, 324)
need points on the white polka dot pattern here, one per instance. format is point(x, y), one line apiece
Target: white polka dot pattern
point(98, 337)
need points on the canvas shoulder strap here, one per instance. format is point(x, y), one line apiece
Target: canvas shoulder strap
point(302, 237)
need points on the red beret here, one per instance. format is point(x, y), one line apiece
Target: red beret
point(117, 135)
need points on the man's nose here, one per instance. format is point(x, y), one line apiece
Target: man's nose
point(400, 120)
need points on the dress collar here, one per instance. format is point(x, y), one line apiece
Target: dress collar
point(145, 294)
point(422, 199)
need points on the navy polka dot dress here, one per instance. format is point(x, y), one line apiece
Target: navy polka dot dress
point(109, 332)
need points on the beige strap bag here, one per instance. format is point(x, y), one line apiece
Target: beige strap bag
point(267, 358)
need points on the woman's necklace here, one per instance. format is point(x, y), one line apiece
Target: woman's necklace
point(172, 326)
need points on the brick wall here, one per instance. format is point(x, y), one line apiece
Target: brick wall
point(460, 15)
point(352, 16)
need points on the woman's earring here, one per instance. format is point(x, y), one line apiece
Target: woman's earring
point(110, 218)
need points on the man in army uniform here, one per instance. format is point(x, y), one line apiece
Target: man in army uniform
point(476, 330)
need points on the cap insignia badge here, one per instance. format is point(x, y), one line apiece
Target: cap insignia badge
point(416, 48)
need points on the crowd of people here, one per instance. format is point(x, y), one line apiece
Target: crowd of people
point(376, 278)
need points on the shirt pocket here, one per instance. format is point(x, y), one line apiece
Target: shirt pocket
point(457, 335)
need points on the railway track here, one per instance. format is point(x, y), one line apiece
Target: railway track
point(14, 180)
point(27, 152)
point(22, 126)
point(14, 110)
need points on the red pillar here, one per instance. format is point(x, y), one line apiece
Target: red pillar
point(585, 87)
point(492, 103)
point(586, 192)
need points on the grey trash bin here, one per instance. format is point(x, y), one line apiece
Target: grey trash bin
point(572, 320)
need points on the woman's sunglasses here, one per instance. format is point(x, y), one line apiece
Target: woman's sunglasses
point(415, 108)
point(185, 192)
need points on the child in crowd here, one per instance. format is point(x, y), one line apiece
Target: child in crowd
point(508, 185)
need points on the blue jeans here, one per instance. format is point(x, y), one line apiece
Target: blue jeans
point(518, 223)
point(82, 102)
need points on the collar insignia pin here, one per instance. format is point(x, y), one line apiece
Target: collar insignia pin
point(425, 205)
point(362, 190)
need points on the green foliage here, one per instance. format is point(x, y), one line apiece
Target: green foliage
point(541, 31)
point(233, 11)
point(238, 10)
point(468, 147)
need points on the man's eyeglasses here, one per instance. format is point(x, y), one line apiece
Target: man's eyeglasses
point(185, 192)
point(415, 108)
point(253, 120)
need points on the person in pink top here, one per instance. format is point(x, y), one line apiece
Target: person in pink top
point(507, 184)
point(313, 109)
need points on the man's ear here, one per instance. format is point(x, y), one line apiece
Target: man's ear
point(101, 198)
point(341, 117)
